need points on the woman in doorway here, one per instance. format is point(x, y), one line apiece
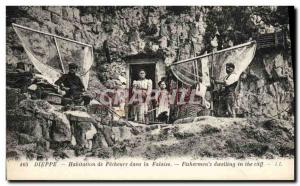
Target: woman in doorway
point(143, 88)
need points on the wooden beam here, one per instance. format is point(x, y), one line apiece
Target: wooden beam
point(61, 63)
point(53, 35)
point(213, 53)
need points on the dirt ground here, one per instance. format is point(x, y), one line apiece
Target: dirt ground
point(207, 137)
point(218, 138)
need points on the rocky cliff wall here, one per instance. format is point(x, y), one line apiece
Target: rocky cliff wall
point(172, 33)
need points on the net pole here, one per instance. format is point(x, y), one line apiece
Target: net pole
point(60, 59)
point(177, 89)
point(212, 100)
point(53, 35)
point(194, 70)
point(195, 64)
point(214, 53)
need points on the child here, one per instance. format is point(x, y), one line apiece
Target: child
point(163, 106)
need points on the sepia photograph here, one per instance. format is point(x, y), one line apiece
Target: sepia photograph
point(201, 92)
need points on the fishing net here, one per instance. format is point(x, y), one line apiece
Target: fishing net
point(190, 72)
point(52, 55)
point(241, 57)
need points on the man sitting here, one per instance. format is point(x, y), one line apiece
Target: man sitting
point(72, 86)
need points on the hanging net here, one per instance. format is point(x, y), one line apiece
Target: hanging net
point(190, 72)
point(241, 57)
point(52, 55)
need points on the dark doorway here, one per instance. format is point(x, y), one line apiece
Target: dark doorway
point(134, 72)
point(134, 75)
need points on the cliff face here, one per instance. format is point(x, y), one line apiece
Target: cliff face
point(114, 32)
point(268, 87)
point(265, 91)
point(170, 33)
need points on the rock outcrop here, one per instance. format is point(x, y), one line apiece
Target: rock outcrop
point(173, 33)
point(266, 89)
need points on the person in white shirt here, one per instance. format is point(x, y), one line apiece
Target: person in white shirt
point(142, 86)
point(230, 83)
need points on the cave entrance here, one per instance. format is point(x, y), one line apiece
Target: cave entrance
point(155, 70)
point(134, 73)
point(154, 67)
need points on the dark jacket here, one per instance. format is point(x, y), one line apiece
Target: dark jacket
point(71, 81)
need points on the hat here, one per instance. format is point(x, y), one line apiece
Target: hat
point(73, 65)
point(230, 65)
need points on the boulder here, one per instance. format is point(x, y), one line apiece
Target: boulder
point(37, 130)
point(78, 116)
point(83, 131)
point(26, 124)
point(61, 128)
point(40, 107)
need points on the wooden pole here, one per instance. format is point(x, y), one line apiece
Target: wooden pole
point(213, 53)
point(53, 35)
point(212, 91)
point(61, 63)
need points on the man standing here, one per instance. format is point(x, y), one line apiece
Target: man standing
point(229, 85)
point(71, 84)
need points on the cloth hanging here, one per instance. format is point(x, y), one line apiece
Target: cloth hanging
point(50, 54)
point(50, 73)
point(214, 65)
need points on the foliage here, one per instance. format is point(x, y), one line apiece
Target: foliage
point(239, 23)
